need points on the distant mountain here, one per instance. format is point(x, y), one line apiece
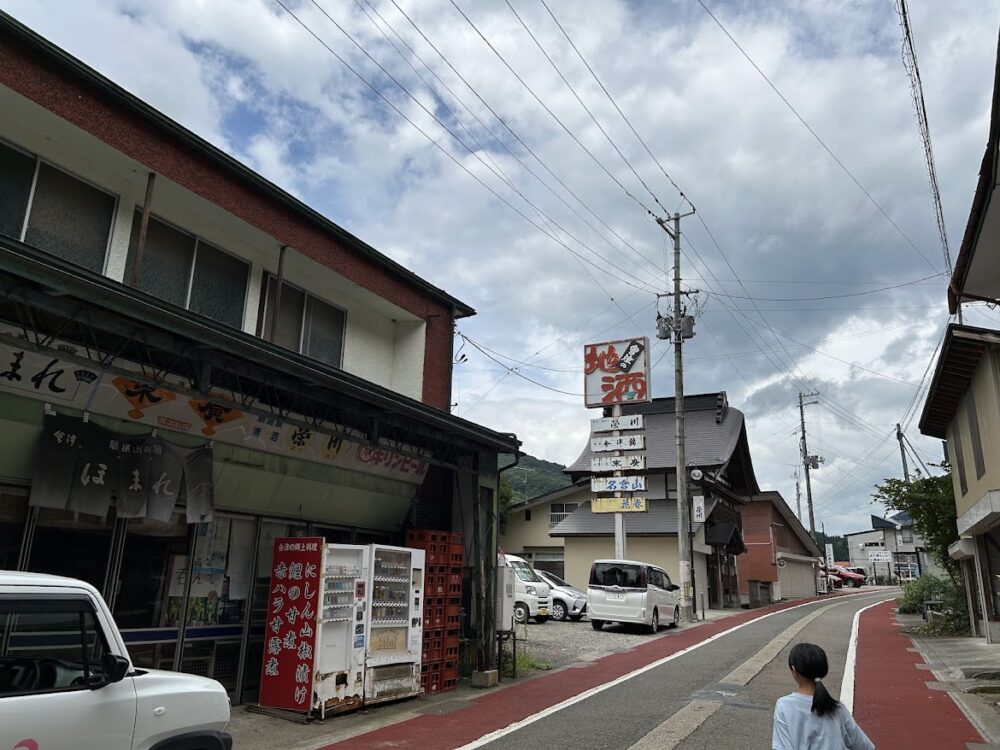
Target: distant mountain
point(532, 477)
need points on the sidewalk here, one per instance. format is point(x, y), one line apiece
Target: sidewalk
point(892, 701)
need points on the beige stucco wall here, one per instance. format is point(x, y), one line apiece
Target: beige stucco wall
point(521, 535)
point(984, 389)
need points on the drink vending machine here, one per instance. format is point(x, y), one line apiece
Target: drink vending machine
point(357, 640)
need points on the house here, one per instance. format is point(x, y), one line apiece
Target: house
point(896, 536)
point(717, 447)
point(779, 549)
point(963, 401)
point(193, 362)
point(528, 525)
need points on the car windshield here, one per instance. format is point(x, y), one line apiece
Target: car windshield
point(616, 574)
point(525, 572)
point(554, 580)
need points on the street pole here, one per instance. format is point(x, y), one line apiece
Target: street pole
point(620, 541)
point(902, 453)
point(798, 498)
point(806, 461)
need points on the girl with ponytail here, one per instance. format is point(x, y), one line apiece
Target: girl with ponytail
point(811, 718)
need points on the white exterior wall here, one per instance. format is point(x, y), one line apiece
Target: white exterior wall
point(382, 343)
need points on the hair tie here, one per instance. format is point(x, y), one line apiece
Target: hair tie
point(818, 679)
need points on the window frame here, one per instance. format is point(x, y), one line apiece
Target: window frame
point(39, 160)
point(61, 603)
point(307, 295)
point(564, 513)
point(963, 481)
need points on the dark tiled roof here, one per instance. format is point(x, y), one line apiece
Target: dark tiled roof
point(660, 519)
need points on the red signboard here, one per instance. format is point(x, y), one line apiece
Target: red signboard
point(616, 372)
point(286, 679)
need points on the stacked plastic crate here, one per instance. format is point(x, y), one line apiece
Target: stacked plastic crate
point(445, 558)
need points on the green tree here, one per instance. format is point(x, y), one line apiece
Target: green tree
point(930, 501)
point(506, 500)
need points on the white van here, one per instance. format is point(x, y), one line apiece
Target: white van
point(628, 591)
point(531, 593)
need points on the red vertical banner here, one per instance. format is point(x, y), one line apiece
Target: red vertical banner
point(293, 605)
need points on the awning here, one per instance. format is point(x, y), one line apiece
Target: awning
point(726, 534)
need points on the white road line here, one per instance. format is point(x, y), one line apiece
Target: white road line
point(528, 720)
point(847, 684)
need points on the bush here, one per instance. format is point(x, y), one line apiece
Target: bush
point(918, 591)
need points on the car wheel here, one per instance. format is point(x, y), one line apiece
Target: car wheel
point(654, 623)
point(558, 611)
point(542, 619)
point(597, 624)
point(677, 617)
point(576, 618)
point(521, 613)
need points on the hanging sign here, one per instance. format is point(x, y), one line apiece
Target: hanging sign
point(621, 443)
point(616, 372)
point(629, 462)
point(698, 509)
point(286, 679)
point(626, 422)
point(634, 483)
point(618, 505)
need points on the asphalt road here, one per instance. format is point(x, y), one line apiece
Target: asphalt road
point(698, 695)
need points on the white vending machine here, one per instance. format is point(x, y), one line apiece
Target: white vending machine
point(343, 618)
point(394, 638)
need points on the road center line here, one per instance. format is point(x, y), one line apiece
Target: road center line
point(510, 728)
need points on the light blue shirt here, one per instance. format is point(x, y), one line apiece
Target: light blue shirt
point(796, 727)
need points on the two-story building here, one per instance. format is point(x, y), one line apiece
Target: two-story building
point(779, 549)
point(895, 535)
point(528, 525)
point(193, 362)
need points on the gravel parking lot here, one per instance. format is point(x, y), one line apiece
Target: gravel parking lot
point(560, 643)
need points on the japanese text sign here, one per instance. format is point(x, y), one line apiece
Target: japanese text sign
point(623, 443)
point(616, 372)
point(877, 556)
point(629, 462)
point(625, 422)
point(698, 509)
point(618, 505)
point(286, 679)
point(634, 483)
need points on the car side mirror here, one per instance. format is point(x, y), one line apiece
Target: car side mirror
point(114, 667)
point(673, 587)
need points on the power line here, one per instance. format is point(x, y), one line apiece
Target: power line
point(815, 135)
point(514, 371)
point(831, 296)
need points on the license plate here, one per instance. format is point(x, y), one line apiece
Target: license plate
point(543, 610)
point(616, 596)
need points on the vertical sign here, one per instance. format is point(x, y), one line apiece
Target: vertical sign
point(286, 679)
point(698, 514)
point(829, 557)
point(616, 372)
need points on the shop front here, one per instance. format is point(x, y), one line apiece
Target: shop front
point(158, 456)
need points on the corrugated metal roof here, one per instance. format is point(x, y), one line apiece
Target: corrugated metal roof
point(708, 442)
point(658, 520)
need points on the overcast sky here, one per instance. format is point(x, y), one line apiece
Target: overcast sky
point(789, 223)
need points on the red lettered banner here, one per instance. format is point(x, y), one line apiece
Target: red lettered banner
point(293, 604)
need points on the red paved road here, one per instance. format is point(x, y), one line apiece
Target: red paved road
point(500, 708)
point(892, 702)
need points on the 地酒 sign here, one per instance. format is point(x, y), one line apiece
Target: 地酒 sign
point(620, 443)
point(624, 422)
point(879, 556)
point(616, 372)
point(630, 462)
point(286, 679)
point(618, 505)
point(634, 483)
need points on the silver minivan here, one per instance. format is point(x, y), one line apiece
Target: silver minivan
point(628, 591)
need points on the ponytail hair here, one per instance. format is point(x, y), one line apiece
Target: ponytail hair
point(809, 661)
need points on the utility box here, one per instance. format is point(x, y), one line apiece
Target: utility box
point(505, 598)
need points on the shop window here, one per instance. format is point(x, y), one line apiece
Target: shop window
point(956, 445)
point(306, 324)
point(17, 169)
point(559, 511)
point(37, 632)
point(975, 439)
point(185, 271)
point(69, 218)
point(13, 511)
point(71, 544)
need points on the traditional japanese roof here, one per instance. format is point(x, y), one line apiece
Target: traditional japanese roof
point(791, 519)
point(715, 438)
point(961, 352)
point(726, 534)
point(660, 519)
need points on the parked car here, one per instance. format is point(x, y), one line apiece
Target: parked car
point(67, 681)
point(850, 578)
point(629, 591)
point(531, 593)
point(566, 602)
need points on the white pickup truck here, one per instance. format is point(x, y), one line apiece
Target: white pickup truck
point(67, 682)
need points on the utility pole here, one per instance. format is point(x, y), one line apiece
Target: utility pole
point(685, 552)
point(808, 461)
point(902, 452)
point(798, 497)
